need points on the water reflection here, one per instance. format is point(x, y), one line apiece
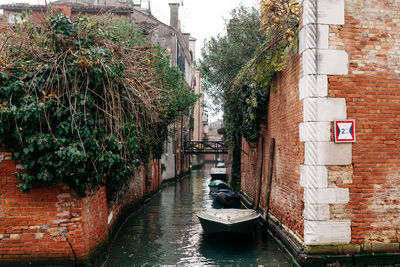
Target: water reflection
point(167, 233)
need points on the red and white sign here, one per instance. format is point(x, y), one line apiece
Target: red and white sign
point(345, 131)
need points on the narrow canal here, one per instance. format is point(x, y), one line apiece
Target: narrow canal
point(167, 232)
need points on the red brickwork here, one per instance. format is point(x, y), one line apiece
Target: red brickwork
point(371, 37)
point(285, 112)
point(52, 223)
point(49, 221)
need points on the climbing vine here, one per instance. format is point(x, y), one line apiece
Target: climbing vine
point(85, 101)
point(252, 85)
point(246, 106)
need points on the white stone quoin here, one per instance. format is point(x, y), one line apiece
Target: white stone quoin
point(313, 176)
point(328, 153)
point(316, 212)
point(319, 112)
point(322, 37)
point(330, 62)
point(327, 232)
point(331, 12)
point(319, 131)
point(324, 109)
point(327, 196)
point(313, 86)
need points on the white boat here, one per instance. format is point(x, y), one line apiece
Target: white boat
point(241, 221)
point(218, 173)
point(220, 165)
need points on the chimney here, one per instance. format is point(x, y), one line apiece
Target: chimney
point(174, 15)
point(186, 37)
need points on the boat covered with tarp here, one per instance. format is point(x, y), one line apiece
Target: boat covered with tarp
point(215, 185)
point(227, 198)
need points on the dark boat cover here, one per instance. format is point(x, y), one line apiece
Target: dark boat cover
point(227, 198)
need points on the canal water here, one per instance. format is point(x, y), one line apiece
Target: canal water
point(167, 232)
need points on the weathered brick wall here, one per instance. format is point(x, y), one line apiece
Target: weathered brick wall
point(371, 37)
point(48, 221)
point(52, 223)
point(284, 115)
point(249, 169)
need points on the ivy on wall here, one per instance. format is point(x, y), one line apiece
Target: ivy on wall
point(252, 85)
point(85, 101)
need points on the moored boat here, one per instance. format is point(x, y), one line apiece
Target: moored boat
point(227, 198)
point(218, 173)
point(214, 185)
point(241, 221)
point(220, 165)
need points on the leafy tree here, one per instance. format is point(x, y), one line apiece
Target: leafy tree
point(224, 55)
point(223, 58)
point(238, 68)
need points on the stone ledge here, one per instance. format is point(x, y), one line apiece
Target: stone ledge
point(381, 247)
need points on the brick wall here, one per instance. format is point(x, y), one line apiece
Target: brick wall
point(48, 221)
point(371, 37)
point(284, 115)
point(328, 193)
point(52, 223)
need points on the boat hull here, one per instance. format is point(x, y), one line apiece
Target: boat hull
point(218, 174)
point(214, 225)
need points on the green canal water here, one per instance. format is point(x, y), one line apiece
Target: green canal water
point(167, 232)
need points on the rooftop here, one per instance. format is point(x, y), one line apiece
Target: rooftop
point(75, 7)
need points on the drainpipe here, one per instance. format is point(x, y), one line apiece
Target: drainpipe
point(181, 143)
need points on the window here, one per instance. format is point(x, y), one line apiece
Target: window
point(14, 17)
point(191, 56)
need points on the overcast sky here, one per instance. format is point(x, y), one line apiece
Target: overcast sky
point(201, 18)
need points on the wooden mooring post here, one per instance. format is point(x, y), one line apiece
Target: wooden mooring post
point(260, 174)
point(269, 176)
